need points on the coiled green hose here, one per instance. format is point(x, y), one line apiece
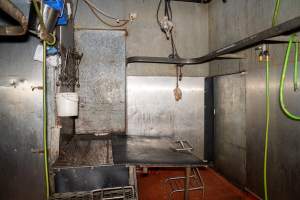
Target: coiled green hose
point(281, 91)
point(283, 76)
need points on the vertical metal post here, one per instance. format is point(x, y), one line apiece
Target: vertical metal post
point(187, 183)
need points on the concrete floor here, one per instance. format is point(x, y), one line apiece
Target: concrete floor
point(152, 186)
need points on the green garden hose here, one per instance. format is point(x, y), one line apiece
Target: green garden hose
point(45, 120)
point(283, 76)
point(267, 126)
point(296, 85)
point(274, 22)
point(44, 75)
point(281, 92)
point(275, 14)
point(50, 38)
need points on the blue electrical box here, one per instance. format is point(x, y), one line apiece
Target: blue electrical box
point(59, 5)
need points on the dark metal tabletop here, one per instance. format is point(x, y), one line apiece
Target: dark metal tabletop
point(151, 151)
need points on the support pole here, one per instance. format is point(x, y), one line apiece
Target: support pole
point(187, 183)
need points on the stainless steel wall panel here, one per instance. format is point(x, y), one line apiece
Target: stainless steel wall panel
point(153, 111)
point(238, 19)
point(21, 121)
point(230, 123)
point(284, 136)
point(102, 81)
point(146, 38)
point(53, 130)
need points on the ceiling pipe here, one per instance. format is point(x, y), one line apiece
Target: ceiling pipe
point(12, 10)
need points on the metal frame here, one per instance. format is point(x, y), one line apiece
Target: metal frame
point(287, 27)
point(184, 146)
point(175, 186)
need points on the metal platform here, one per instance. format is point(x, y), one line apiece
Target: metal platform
point(77, 179)
point(91, 150)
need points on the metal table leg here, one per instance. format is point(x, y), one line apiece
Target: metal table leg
point(187, 183)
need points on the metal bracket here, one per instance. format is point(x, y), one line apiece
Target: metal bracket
point(184, 146)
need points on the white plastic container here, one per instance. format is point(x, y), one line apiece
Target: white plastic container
point(67, 104)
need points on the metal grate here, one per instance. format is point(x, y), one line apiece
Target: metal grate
point(118, 193)
point(87, 150)
point(72, 196)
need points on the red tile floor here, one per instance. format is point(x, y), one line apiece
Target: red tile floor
point(152, 186)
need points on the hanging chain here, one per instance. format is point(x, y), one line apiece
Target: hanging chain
point(69, 70)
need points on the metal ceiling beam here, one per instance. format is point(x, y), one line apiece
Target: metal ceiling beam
point(288, 27)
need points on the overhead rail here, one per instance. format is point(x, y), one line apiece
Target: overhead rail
point(288, 27)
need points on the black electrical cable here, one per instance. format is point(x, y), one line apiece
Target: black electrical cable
point(157, 13)
point(75, 9)
point(169, 9)
point(103, 21)
point(167, 12)
point(174, 54)
point(97, 12)
point(92, 5)
point(94, 10)
point(174, 49)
